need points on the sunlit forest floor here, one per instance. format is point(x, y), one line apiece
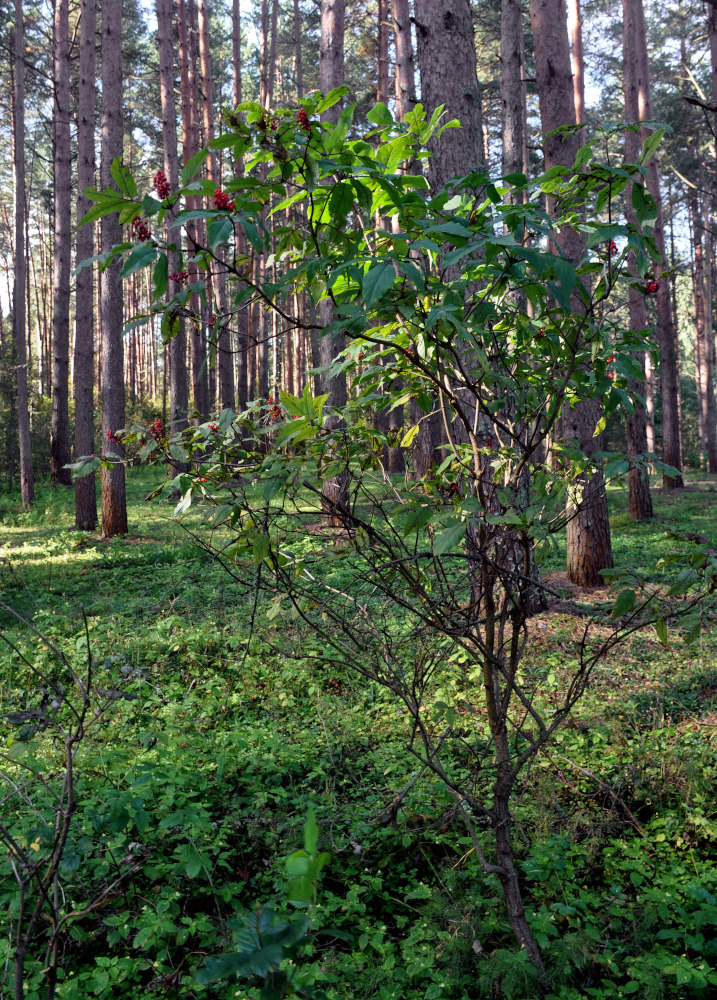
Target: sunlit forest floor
point(193, 789)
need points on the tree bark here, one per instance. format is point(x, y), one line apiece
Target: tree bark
point(298, 58)
point(225, 363)
point(85, 494)
point(639, 496)
point(575, 30)
point(447, 63)
point(588, 531)
point(405, 69)
point(634, 21)
point(114, 503)
point(511, 90)
point(27, 487)
point(60, 432)
point(331, 74)
point(382, 52)
point(178, 385)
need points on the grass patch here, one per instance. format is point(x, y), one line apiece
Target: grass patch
point(193, 790)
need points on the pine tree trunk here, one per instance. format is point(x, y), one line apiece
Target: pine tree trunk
point(331, 74)
point(575, 31)
point(382, 53)
point(511, 91)
point(447, 64)
point(639, 496)
point(709, 338)
point(225, 364)
point(27, 487)
point(634, 24)
point(178, 384)
point(588, 531)
point(114, 504)
point(85, 494)
point(190, 146)
point(405, 69)
point(60, 433)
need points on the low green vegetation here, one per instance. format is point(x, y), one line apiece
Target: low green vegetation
point(197, 782)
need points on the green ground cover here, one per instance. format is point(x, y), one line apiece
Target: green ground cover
point(194, 789)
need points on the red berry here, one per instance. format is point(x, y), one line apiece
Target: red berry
point(162, 185)
point(652, 287)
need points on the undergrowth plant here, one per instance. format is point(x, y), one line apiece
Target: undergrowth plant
point(462, 303)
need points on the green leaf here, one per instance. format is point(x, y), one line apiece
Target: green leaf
point(650, 145)
point(380, 116)
point(600, 425)
point(141, 256)
point(194, 165)
point(624, 602)
point(160, 276)
point(311, 833)
point(376, 282)
point(261, 548)
point(219, 232)
point(333, 97)
point(340, 202)
point(643, 203)
point(449, 538)
point(409, 437)
point(123, 178)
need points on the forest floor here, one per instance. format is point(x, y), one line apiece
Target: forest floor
point(195, 783)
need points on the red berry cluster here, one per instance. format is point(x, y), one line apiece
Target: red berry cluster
point(303, 120)
point(214, 428)
point(140, 230)
point(180, 277)
point(211, 319)
point(455, 490)
point(274, 409)
point(112, 437)
point(652, 287)
point(156, 429)
point(611, 248)
point(540, 334)
point(268, 123)
point(221, 200)
point(162, 185)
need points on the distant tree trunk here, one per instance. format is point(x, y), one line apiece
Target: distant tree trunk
point(710, 353)
point(85, 496)
point(178, 384)
point(264, 54)
point(382, 52)
point(190, 146)
point(114, 503)
point(243, 314)
point(27, 487)
point(575, 30)
point(60, 433)
point(703, 336)
point(331, 75)
point(298, 59)
point(588, 532)
point(225, 363)
point(405, 69)
point(639, 496)
point(669, 376)
point(447, 64)
point(511, 90)
point(271, 78)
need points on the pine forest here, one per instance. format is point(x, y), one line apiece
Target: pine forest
point(358, 499)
